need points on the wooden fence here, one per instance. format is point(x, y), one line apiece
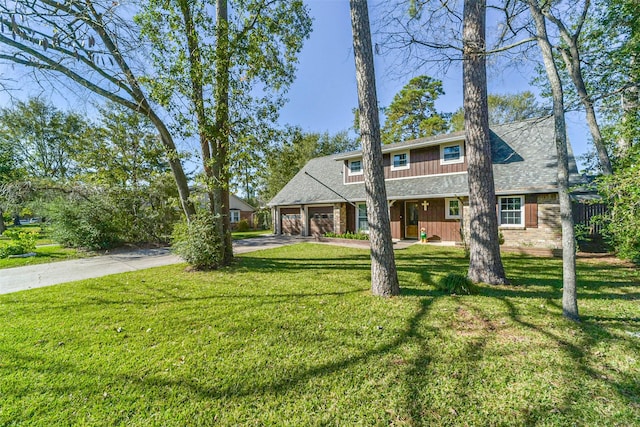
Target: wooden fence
point(584, 213)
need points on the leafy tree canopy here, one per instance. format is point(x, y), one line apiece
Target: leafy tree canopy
point(124, 150)
point(505, 108)
point(412, 112)
point(42, 137)
point(295, 150)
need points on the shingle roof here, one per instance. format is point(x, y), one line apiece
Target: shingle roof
point(524, 158)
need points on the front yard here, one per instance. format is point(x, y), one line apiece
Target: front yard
point(292, 336)
point(46, 250)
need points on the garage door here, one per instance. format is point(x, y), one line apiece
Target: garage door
point(291, 221)
point(321, 220)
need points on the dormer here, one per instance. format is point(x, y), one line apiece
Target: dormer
point(436, 155)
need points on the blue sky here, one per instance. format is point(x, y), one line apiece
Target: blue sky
point(325, 92)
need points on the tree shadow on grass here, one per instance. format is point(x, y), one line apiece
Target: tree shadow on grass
point(592, 333)
point(51, 364)
point(416, 330)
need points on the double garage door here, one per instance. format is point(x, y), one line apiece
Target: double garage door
point(320, 220)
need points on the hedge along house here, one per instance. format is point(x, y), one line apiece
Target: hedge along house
point(427, 188)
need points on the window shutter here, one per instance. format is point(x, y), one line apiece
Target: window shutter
point(531, 210)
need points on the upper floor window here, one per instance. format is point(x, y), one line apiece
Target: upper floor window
point(355, 167)
point(452, 209)
point(511, 211)
point(451, 153)
point(400, 161)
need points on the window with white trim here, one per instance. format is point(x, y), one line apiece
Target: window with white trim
point(362, 225)
point(234, 216)
point(511, 211)
point(355, 167)
point(452, 209)
point(451, 153)
point(400, 161)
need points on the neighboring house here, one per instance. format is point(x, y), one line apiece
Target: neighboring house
point(427, 188)
point(239, 210)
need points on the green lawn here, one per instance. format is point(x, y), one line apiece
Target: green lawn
point(239, 235)
point(292, 336)
point(43, 233)
point(44, 254)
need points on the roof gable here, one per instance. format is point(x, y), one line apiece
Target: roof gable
point(523, 154)
point(237, 203)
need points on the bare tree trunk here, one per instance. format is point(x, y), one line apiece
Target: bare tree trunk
point(174, 162)
point(485, 262)
point(572, 61)
point(384, 277)
point(571, 57)
point(569, 293)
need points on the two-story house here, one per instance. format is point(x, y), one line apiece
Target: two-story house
point(426, 181)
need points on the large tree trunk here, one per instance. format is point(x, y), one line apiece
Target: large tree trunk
point(485, 263)
point(213, 139)
point(569, 293)
point(221, 160)
point(143, 106)
point(174, 162)
point(384, 278)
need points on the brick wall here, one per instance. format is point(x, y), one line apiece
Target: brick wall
point(340, 218)
point(546, 235)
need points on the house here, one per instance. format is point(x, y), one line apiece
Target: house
point(239, 210)
point(426, 181)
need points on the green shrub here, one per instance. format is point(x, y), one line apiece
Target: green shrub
point(84, 223)
point(621, 193)
point(242, 226)
point(455, 283)
point(347, 235)
point(263, 219)
point(582, 235)
point(101, 217)
point(198, 243)
point(22, 242)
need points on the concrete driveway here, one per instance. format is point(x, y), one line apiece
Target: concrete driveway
point(40, 275)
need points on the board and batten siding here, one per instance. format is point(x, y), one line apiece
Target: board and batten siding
point(395, 216)
point(422, 161)
point(437, 227)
